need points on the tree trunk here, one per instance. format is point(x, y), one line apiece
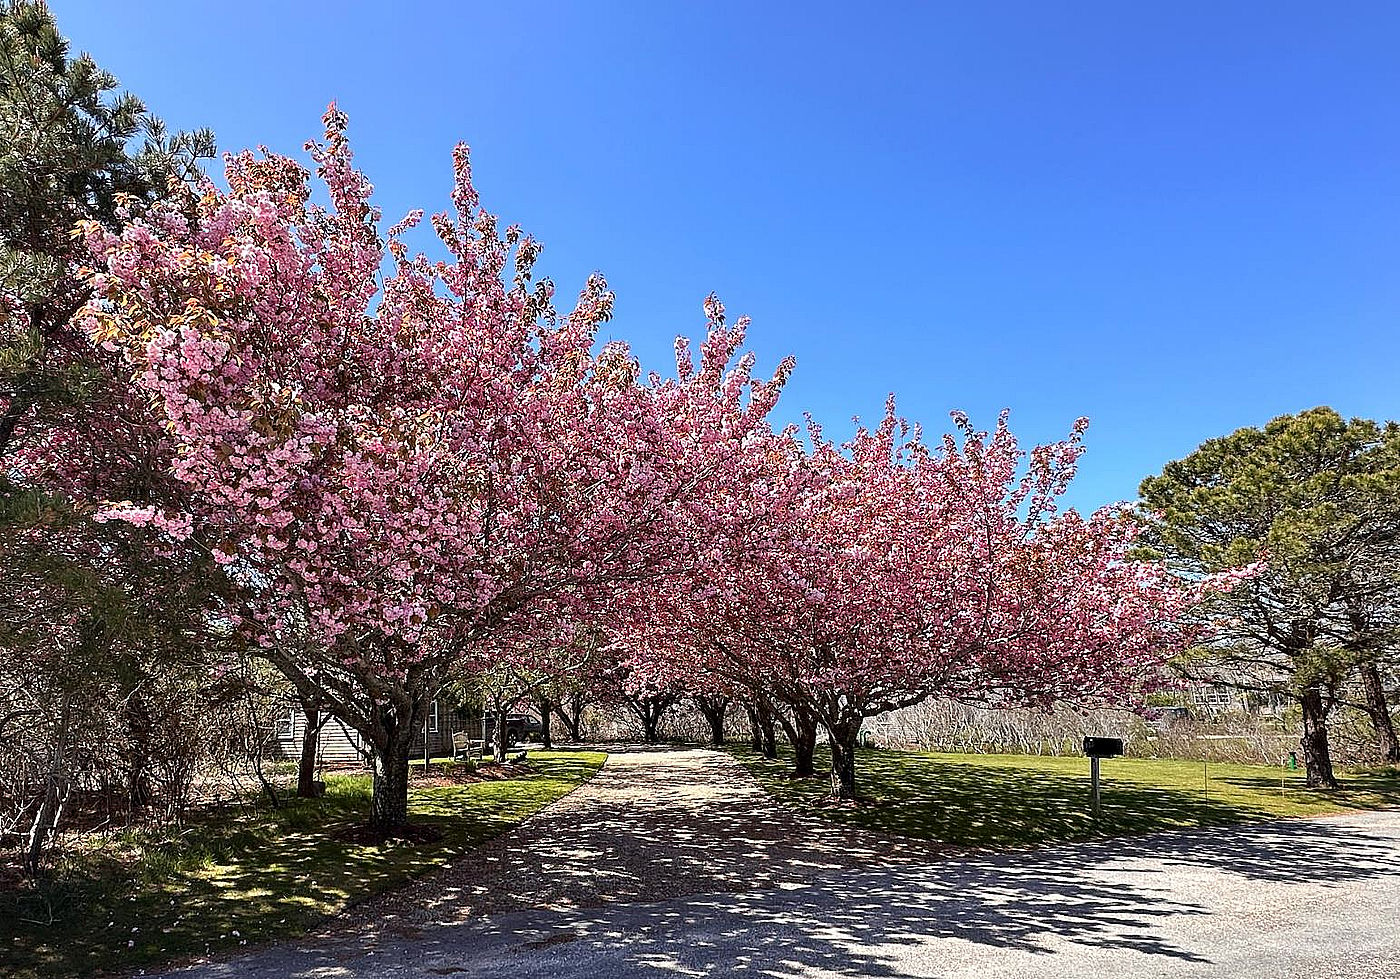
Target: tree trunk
point(310, 742)
point(546, 709)
point(768, 727)
point(498, 750)
point(714, 709)
point(844, 738)
point(137, 720)
point(716, 719)
point(1317, 757)
point(1379, 710)
point(571, 715)
point(804, 745)
point(56, 786)
point(388, 811)
point(801, 732)
point(572, 725)
point(755, 729)
point(650, 709)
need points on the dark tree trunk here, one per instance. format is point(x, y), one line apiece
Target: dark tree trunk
point(804, 745)
point(546, 709)
point(570, 714)
point(1379, 710)
point(716, 719)
point(767, 726)
point(650, 718)
point(137, 718)
point(800, 729)
point(499, 735)
point(388, 811)
point(650, 709)
point(755, 729)
point(714, 709)
point(572, 725)
point(310, 742)
point(1317, 756)
point(844, 738)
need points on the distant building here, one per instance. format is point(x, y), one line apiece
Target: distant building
point(1214, 698)
point(340, 744)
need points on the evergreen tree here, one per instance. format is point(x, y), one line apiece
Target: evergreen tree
point(91, 614)
point(1316, 498)
point(70, 149)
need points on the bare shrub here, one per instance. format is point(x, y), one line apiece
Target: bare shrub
point(946, 725)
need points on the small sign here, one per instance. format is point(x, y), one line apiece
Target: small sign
point(1103, 747)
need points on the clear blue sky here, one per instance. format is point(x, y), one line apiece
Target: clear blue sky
point(1176, 219)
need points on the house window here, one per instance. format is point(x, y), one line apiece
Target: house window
point(433, 719)
point(1214, 696)
point(287, 722)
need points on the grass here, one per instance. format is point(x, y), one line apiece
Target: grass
point(1004, 801)
point(254, 874)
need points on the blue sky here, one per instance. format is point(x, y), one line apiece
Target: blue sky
point(1176, 219)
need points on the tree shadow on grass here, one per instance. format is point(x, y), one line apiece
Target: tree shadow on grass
point(1009, 805)
point(252, 875)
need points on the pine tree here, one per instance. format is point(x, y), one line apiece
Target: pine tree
point(88, 612)
point(1316, 498)
point(70, 149)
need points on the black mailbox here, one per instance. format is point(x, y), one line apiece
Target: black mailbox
point(1103, 747)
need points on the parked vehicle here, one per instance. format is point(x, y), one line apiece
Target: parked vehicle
point(519, 727)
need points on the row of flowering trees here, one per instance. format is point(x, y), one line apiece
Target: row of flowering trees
point(841, 582)
point(401, 469)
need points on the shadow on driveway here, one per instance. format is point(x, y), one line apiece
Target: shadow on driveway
point(901, 913)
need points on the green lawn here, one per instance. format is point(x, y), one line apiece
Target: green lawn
point(255, 874)
point(1018, 800)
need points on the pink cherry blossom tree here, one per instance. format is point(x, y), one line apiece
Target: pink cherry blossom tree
point(391, 468)
point(869, 576)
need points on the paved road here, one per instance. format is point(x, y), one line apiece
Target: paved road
point(676, 863)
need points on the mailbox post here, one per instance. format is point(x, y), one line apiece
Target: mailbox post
point(1097, 748)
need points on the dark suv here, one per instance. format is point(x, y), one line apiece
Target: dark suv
point(519, 727)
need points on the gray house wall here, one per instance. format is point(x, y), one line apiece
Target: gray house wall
point(340, 744)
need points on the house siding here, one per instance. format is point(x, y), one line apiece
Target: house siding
point(340, 744)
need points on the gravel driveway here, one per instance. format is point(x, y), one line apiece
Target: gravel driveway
point(677, 862)
point(653, 824)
